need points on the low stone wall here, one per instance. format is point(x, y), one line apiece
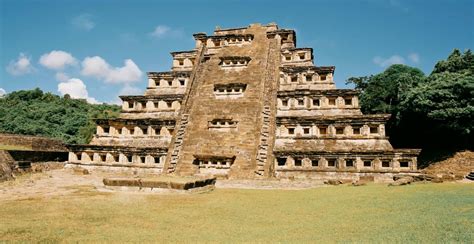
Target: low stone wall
point(167, 183)
point(347, 176)
point(36, 143)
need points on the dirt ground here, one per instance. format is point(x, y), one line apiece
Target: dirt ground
point(61, 182)
point(47, 184)
point(459, 164)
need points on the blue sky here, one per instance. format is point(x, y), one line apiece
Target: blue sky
point(100, 49)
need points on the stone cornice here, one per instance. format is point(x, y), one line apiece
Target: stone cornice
point(342, 119)
point(118, 149)
point(190, 52)
point(164, 97)
point(300, 69)
point(143, 122)
point(353, 153)
point(227, 36)
point(235, 58)
point(308, 92)
point(169, 74)
point(297, 49)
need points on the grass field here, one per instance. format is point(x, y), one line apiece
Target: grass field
point(374, 213)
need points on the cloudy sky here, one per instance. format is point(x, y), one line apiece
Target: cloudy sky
point(100, 49)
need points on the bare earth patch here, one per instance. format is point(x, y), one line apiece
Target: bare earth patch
point(457, 166)
point(62, 182)
point(47, 184)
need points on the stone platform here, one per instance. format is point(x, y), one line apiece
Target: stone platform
point(162, 182)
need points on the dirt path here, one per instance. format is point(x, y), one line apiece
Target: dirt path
point(62, 182)
point(48, 184)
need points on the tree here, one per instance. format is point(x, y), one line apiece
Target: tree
point(434, 113)
point(382, 93)
point(34, 112)
point(446, 100)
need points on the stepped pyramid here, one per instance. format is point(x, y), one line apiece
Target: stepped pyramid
point(245, 103)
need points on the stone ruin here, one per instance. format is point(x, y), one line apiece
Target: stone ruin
point(245, 103)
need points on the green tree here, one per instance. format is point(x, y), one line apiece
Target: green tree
point(434, 113)
point(33, 112)
point(383, 92)
point(446, 99)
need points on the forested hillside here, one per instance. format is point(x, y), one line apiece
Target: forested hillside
point(433, 112)
point(33, 112)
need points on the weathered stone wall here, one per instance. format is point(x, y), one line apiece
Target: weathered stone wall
point(378, 177)
point(6, 164)
point(200, 140)
point(36, 143)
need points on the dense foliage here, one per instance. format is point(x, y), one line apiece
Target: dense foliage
point(33, 112)
point(446, 98)
point(434, 112)
point(382, 93)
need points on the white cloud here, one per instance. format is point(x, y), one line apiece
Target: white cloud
point(414, 58)
point(99, 68)
point(384, 62)
point(57, 60)
point(2, 92)
point(76, 89)
point(84, 22)
point(60, 76)
point(20, 66)
point(161, 31)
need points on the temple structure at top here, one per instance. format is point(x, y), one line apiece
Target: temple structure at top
point(245, 103)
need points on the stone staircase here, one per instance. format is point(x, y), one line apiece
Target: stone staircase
point(470, 176)
point(174, 150)
point(262, 152)
point(266, 140)
point(178, 142)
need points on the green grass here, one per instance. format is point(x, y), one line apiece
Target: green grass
point(375, 213)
